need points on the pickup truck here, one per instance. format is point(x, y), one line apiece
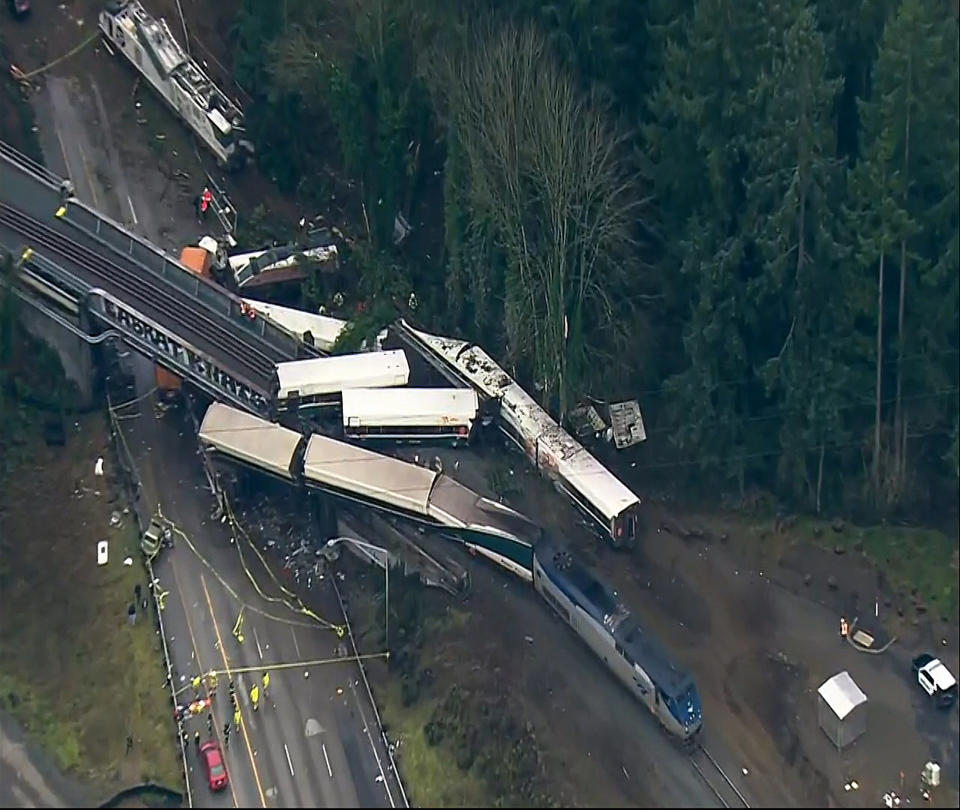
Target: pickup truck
point(936, 680)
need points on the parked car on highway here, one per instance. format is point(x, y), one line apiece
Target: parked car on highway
point(213, 761)
point(936, 680)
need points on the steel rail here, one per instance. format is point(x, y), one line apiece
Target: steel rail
point(190, 315)
point(727, 780)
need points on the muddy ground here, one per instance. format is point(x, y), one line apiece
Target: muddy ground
point(751, 610)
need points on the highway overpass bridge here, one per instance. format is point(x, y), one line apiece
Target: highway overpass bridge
point(95, 277)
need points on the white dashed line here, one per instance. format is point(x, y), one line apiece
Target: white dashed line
point(289, 763)
point(255, 638)
point(327, 760)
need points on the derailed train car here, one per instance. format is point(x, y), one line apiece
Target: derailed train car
point(597, 492)
point(485, 527)
point(319, 381)
point(409, 414)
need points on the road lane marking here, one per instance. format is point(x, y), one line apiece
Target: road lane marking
point(195, 655)
point(257, 639)
point(132, 212)
point(86, 171)
point(63, 151)
point(226, 666)
point(373, 746)
point(295, 645)
point(327, 760)
point(289, 763)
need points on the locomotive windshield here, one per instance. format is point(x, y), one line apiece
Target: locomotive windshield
point(685, 707)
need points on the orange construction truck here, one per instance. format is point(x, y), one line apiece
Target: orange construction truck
point(198, 261)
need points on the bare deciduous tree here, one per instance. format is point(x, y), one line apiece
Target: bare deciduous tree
point(546, 171)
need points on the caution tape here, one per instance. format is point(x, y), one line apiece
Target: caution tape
point(340, 630)
point(315, 662)
point(20, 76)
point(230, 590)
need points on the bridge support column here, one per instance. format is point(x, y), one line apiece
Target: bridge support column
point(76, 355)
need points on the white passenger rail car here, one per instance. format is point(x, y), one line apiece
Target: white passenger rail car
point(151, 48)
point(410, 414)
point(604, 498)
point(318, 382)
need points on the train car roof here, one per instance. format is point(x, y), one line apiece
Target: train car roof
point(650, 654)
point(574, 462)
point(327, 375)
point(473, 361)
point(325, 330)
point(582, 587)
point(249, 439)
point(410, 405)
point(453, 503)
point(397, 483)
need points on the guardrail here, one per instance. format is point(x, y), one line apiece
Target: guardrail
point(29, 165)
point(152, 259)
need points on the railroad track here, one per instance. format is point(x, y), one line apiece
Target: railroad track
point(157, 297)
point(715, 778)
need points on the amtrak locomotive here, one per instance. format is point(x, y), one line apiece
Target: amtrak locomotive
point(615, 636)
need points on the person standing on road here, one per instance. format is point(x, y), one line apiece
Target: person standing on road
point(255, 696)
point(205, 199)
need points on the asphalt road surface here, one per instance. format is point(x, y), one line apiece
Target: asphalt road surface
point(314, 741)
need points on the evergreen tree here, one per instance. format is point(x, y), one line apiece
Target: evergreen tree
point(799, 299)
point(852, 29)
point(695, 148)
point(906, 198)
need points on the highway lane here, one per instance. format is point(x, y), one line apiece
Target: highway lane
point(315, 742)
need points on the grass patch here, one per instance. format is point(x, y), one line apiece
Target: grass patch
point(38, 718)
point(74, 673)
point(461, 744)
point(430, 773)
point(910, 558)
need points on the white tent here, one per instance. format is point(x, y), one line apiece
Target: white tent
point(842, 709)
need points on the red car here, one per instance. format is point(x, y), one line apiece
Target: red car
point(213, 761)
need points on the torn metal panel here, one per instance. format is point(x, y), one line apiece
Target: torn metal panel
point(627, 423)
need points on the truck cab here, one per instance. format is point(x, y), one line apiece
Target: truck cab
point(936, 680)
